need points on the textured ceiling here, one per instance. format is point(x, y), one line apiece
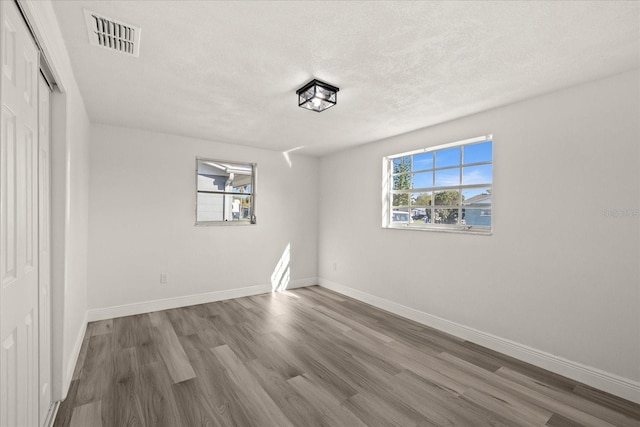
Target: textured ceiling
point(228, 71)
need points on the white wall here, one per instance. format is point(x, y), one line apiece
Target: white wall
point(142, 187)
point(69, 199)
point(556, 275)
point(69, 217)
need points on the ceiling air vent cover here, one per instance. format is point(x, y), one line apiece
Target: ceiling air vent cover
point(112, 34)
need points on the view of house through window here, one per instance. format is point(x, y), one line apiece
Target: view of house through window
point(225, 192)
point(446, 187)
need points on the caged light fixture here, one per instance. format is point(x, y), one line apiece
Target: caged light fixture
point(317, 96)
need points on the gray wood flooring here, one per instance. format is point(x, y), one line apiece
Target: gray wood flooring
point(311, 357)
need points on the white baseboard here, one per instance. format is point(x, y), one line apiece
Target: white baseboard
point(186, 300)
point(611, 383)
point(73, 358)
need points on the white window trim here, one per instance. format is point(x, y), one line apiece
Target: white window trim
point(254, 179)
point(387, 183)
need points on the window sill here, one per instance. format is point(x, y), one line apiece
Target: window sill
point(457, 230)
point(223, 223)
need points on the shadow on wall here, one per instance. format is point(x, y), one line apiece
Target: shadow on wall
point(281, 274)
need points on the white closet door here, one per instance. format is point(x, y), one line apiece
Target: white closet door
point(44, 195)
point(19, 342)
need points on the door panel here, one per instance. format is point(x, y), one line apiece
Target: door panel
point(8, 227)
point(19, 264)
point(9, 375)
point(44, 256)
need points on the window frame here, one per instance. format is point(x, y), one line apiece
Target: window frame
point(388, 192)
point(253, 193)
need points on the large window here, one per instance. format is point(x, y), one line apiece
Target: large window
point(447, 188)
point(225, 192)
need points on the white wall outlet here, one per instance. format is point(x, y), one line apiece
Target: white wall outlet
point(335, 266)
point(164, 279)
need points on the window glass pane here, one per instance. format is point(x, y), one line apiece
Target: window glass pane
point(475, 153)
point(428, 219)
point(221, 176)
point(210, 207)
point(446, 198)
point(422, 180)
point(425, 220)
point(480, 174)
point(419, 214)
point(422, 221)
point(421, 199)
point(223, 207)
point(447, 157)
point(422, 161)
point(240, 207)
point(400, 199)
point(402, 164)
point(445, 216)
point(477, 217)
point(240, 184)
point(447, 177)
point(477, 196)
point(211, 182)
point(400, 216)
point(402, 182)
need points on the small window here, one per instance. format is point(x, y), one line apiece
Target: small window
point(225, 192)
point(446, 188)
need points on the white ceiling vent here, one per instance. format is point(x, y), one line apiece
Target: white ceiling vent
point(112, 34)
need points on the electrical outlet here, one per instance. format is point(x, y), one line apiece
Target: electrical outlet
point(335, 266)
point(164, 279)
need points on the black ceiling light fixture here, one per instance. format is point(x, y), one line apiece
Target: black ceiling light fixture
point(317, 96)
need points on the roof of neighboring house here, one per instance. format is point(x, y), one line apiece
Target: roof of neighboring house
point(480, 199)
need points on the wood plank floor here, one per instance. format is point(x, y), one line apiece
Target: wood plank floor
point(311, 357)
